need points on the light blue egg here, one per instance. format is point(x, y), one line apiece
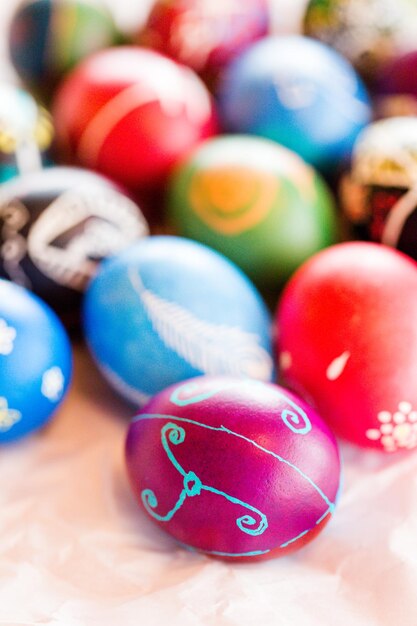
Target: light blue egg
point(168, 309)
point(298, 92)
point(35, 362)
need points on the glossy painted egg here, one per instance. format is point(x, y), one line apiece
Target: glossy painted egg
point(347, 341)
point(379, 194)
point(370, 34)
point(256, 202)
point(56, 225)
point(168, 309)
point(48, 37)
point(203, 34)
point(397, 87)
point(298, 92)
point(236, 469)
point(26, 133)
point(35, 362)
point(131, 113)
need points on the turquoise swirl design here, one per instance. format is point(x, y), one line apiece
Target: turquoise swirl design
point(192, 485)
point(252, 523)
point(294, 418)
point(195, 393)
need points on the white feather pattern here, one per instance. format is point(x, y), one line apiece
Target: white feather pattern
point(210, 348)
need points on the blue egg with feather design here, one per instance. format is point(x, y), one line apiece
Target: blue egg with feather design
point(168, 309)
point(35, 362)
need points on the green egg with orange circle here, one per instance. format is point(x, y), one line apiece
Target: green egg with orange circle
point(256, 202)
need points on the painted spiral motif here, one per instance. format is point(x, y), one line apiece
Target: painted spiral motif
point(252, 523)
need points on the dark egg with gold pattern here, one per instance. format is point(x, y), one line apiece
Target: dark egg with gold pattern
point(380, 193)
point(56, 225)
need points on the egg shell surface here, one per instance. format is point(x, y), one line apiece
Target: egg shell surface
point(347, 341)
point(56, 225)
point(47, 38)
point(168, 309)
point(236, 469)
point(202, 34)
point(299, 93)
point(256, 202)
point(35, 362)
point(131, 113)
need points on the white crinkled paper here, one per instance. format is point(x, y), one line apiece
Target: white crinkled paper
point(75, 549)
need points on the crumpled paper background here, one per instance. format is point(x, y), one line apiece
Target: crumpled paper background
point(75, 550)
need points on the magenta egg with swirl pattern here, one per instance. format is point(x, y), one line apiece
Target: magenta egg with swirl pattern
point(238, 469)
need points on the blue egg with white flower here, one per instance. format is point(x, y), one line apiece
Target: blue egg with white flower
point(35, 362)
point(168, 309)
point(299, 92)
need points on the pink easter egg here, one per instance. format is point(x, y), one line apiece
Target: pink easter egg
point(238, 469)
point(348, 342)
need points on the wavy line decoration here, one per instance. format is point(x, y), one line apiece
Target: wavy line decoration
point(196, 391)
point(210, 348)
point(252, 523)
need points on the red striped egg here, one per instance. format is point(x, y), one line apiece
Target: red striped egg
point(131, 113)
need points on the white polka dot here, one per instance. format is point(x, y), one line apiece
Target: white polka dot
point(413, 416)
point(384, 416)
point(386, 429)
point(402, 432)
point(373, 434)
point(337, 366)
point(399, 418)
point(405, 407)
point(285, 360)
point(387, 440)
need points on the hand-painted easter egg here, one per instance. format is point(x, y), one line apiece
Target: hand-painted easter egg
point(256, 202)
point(369, 33)
point(48, 37)
point(203, 34)
point(56, 225)
point(168, 309)
point(397, 87)
point(26, 133)
point(236, 469)
point(380, 192)
point(35, 362)
point(131, 113)
point(347, 342)
point(298, 92)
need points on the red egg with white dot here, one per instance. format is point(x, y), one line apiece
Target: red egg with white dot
point(131, 113)
point(347, 342)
